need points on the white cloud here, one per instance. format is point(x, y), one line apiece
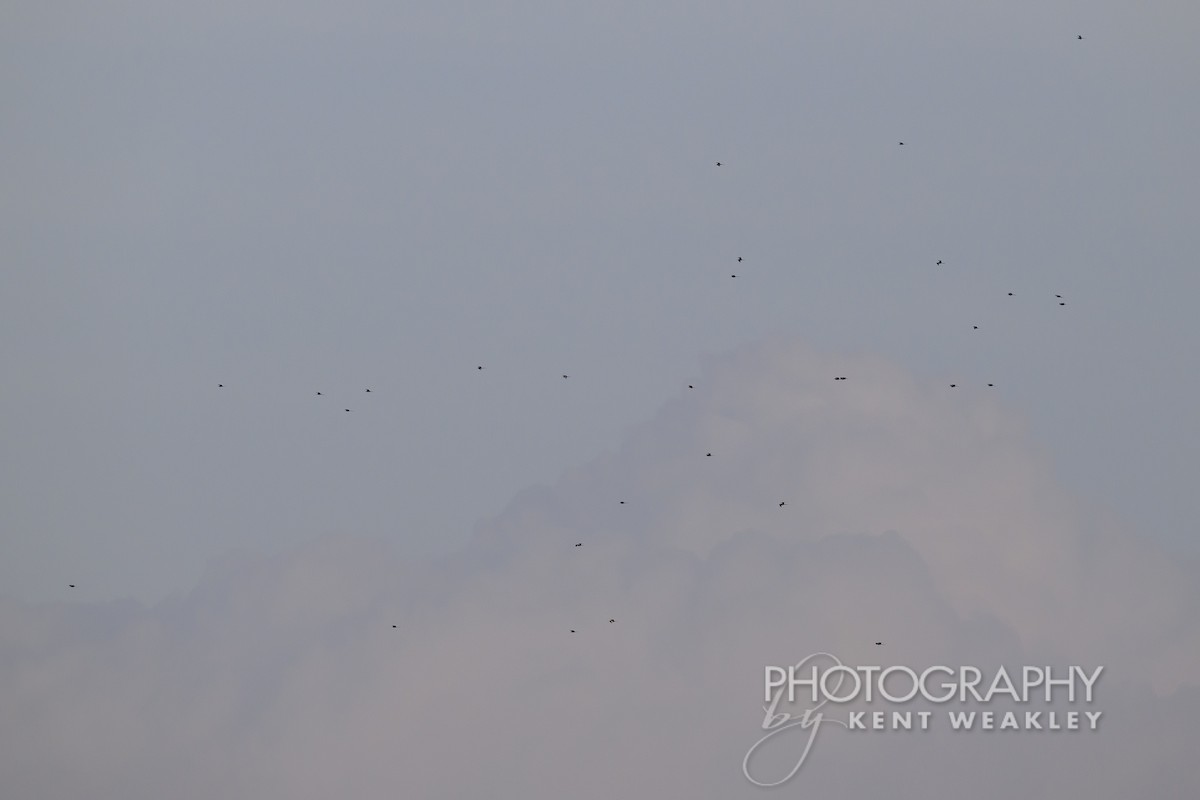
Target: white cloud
point(915, 514)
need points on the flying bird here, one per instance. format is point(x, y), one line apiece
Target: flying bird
point(220, 386)
point(781, 504)
point(318, 394)
point(953, 385)
point(708, 455)
point(939, 263)
point(347, 409)
point(690, 386)
point(622, 502)
point(902, 143)
point(739, 259)
point(564, 376)
point(1010, 294)
point(991, 384)
point(879, 643)
point(71, 585)
point(718, 163)
point(579, 545)
point(479, 368)
point(976, 327)
point(1079, 37)
point(368, 390)
point(612, 620)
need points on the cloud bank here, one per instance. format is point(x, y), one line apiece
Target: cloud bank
point(913, 514)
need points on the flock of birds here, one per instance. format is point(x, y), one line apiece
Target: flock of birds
point(782, 503)
point(938, 263)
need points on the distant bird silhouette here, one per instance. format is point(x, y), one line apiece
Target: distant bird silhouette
point(953, 385)
point(71, 585)
point(368, 390)
point(579, 545)
point(347, 409)
point(622, 502)
point(739, 259)
point(612, 620)
point(991, 384)
point(781, 504)
point(902, 143)
point(879, 643)
point(975, 327)
point(1079, 37)
point(393, 626)
point(479, 368)
point(220, 386)
point(939, 263)
point(690, 386)
point(565, 376)
point(733, 276)
point(572, 631)
point(1010, 294)
point(1059, 296)
point(708, 455)
point(718, 163)
point(318, 394)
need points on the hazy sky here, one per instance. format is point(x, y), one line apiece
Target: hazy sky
point(297, 198)
point(311, 198)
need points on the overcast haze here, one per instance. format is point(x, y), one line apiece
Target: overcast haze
point(297, 198)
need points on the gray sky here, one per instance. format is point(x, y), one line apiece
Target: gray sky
point(326, 200)
point(303, 198)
